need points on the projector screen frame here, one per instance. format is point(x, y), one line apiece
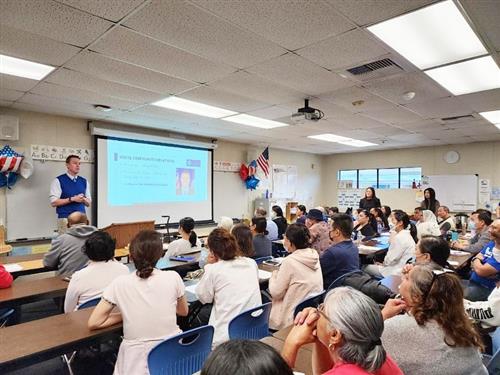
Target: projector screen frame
point(95, 195)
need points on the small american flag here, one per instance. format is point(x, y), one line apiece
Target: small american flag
point(9, 159)
point(263, 161)
point(252, 168)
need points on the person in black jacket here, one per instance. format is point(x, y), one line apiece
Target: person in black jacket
point(370, 200)
point(367, 225)
point(277, 216)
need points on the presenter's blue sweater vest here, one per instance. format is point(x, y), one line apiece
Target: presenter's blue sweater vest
point(70, 188)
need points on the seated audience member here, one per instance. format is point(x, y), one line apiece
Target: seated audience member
point(319, 230)
point(346, 331)
point(5, 278)
point(261, 244)
point(245, 357)
point(148, 299)
point(401, 247)
point(298, 277)
point(386, 210)
point(435, 336)
point(430, 202)
point(65, 253)
point(230, 282)
point(89, 282)
point(381, 219)
point(432, 250)
point(332, 211)
point(226, 223)
point(417, 215)
point(244, 238)
point(301, 214)
point(188, 243)
point(428, 226)
point(343, 256)
point(485, 267)
point(279, 220)
point(271, 227)
point(482, 220)
point(446, 222)
point(370, 200)
point(366, 226)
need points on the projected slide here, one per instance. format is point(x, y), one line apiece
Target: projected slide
point(148, 173)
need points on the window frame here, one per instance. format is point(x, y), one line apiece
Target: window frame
point(356, 183)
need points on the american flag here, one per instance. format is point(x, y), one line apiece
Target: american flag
point(252, 168)
point(263, 161)
point(9, 159)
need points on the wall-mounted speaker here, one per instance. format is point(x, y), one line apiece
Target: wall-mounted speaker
point(9, 128)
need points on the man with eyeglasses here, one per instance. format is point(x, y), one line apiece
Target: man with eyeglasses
point(485, 266)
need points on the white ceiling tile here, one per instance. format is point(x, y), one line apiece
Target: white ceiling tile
point(219, 98)
point(395, 115)
point(344, 51)
point(16, 83)
point(33, 47)
point(296, 72)
point(76, 94)
point(388, 131)
point(478, 130)
point(71, 78)
point(356, 121)
point(129, 46)
point(109, 69)
point(10, 95)
point(61, 111)
point(439, 108)
point(48, 104)
point(485, 13)
point(364, 12)
point(345, 98)
point(291, 24)
point(421, 125)
point(185, 26)
point(482, 101)
point(255, 87)
point(142, 120)
point(53, 20)
point(273, 112)
point(409, 138)
point(113, 10)
point(5, 103)
point(393, 88)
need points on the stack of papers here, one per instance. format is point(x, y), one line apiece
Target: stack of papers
point(371, 248)
point(459, 252)
point(264, 275)
point(13, 267)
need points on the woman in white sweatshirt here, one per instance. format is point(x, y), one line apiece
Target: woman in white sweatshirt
point(188, 243)
point(298, 277)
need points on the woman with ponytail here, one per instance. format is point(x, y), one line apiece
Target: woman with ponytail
point(148, 302)
point(401, 247)
point(188, 243)
point(346, 332)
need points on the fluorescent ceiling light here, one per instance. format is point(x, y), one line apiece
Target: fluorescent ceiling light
point(342, 140)
point(184, 105)
point(468, 76)
point(492, 116)
point(432, 36)
point(23, 68)
point(257, 122)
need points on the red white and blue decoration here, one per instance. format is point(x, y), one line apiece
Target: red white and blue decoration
point(247, 173)
point(10, 161)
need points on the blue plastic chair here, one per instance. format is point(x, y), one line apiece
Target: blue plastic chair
point(181, 354)
point(90, 303)
point(262, 259)
point(252, 324)
point(312, 301)
point(5, 316)
point(493, 365)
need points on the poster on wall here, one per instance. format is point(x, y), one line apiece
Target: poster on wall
point(484, 193)
point(59, 153)
point(284, 181)
point(349, 198)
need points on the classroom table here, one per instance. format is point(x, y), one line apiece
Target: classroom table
point(29, 343)
point(303, 363)
point(374, 246)
point(26, 291)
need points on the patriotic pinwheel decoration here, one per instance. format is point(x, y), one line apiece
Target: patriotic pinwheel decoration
point(10, 162)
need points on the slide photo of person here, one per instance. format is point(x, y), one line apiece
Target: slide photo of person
point(184, 181)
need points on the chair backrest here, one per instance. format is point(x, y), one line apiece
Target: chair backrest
point(338, 281)
point(183, 354)
point(90, 303)
point(5, 316)
point(311, 301)
point(252, 324)
point(261, 259)
point(494, 364)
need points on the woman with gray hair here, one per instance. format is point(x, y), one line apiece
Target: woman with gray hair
point(346, 333)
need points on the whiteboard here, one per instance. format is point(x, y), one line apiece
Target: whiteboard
point(458, 192)
point(29, 214)
point(230, 196)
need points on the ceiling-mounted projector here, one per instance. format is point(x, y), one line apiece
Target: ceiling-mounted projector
point(307, 113)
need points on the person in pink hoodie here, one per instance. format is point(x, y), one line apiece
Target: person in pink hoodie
point(298, 277)
point(5, 278)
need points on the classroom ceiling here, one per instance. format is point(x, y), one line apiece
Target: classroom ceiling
point(254, 56)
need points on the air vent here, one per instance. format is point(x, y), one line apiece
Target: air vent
point(375, 69)
point(458, 118)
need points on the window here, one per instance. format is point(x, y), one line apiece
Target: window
point(382, 178)
point(367, 178)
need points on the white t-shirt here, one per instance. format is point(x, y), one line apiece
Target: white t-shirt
point(401, 249)
point(89, 282)
point(148, 306)
point(182, 246)
point(233, 287)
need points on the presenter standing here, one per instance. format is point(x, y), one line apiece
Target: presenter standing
point(69, 193)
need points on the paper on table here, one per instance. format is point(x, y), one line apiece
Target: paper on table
point(453, 263)
point(13, 267)
point(458, 252)
point(365, 247)
point(191, 288)
point(264, 275)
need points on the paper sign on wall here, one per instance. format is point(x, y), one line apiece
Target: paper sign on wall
point(59, 153)
point(226, 166)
